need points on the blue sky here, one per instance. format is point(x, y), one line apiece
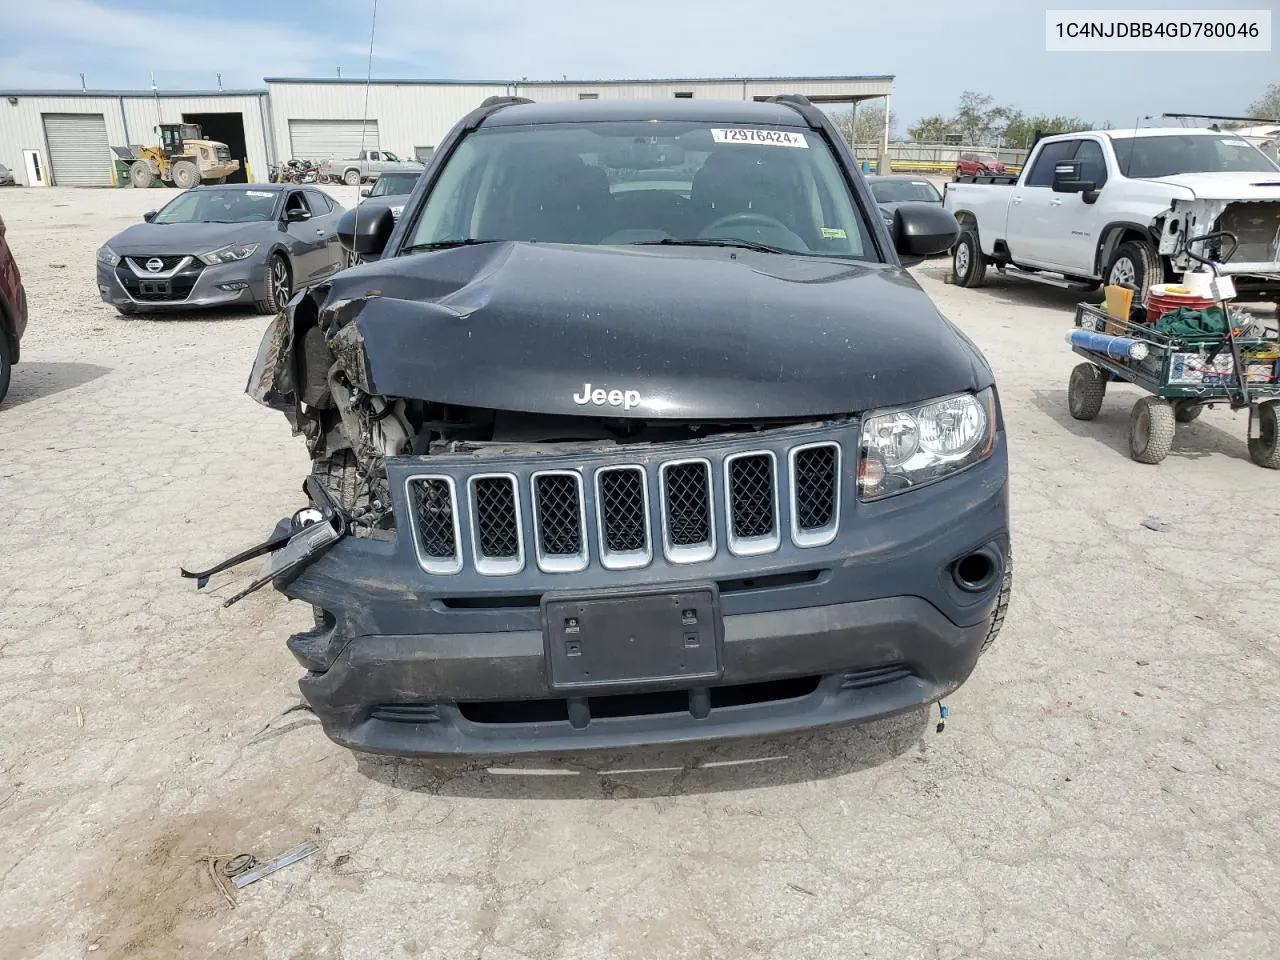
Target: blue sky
point(935, 48)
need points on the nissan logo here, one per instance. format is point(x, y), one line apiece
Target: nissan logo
point(155, 264)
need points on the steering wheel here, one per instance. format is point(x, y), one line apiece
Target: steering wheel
point(746, 219)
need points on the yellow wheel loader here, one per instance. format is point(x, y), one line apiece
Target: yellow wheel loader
point(181, 159)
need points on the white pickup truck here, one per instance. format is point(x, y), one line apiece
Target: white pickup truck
point(1120, 206)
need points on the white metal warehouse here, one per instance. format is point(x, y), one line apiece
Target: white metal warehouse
point(50, 137)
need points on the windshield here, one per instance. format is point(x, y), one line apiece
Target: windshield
point(394, 184)
point(204, 205)
point(900, 191)
point(631, 182)
point(1153, 157)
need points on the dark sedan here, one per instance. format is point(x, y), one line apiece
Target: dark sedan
point(223, 246)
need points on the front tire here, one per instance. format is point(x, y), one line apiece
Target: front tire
point(968, 264)
point(351, 178)
point(1136, 264)
point(1086, 391)
point(1150, 430)
point(279, 286)
point(1002, 604)
point(185, 175)
point(1264, 450)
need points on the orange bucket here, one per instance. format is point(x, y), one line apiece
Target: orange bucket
point(1166, 297)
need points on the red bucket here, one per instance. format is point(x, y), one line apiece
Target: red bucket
point(1165, 298)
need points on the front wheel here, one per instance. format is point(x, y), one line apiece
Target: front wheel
point(1264, 449)
point(1150, 430)
point(351, 178)
point(279, 286)
point(185, 175)
point(968, 264)
point(1086, 391)
point(1135, 264)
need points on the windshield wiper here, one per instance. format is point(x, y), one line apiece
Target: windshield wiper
point(715, 242)
point(446, 245)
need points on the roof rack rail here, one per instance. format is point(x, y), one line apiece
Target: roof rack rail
point(803, 106)
point(489, 106)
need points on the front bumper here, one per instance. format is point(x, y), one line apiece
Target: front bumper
point(201, 290)
point(408, 663)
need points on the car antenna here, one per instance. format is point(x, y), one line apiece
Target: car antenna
point(364, 121)
point(1133, 141)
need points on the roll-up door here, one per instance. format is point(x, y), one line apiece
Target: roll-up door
point(78, 151)
point(320, 140)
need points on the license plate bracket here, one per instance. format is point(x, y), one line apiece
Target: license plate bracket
point(630, 638)
point(154, 288)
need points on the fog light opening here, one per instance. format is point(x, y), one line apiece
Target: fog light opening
point(975, 571)
point(233, 286)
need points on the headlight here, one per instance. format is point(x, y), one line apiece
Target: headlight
point(228, 254)
point(108, 256)
point(912, 446)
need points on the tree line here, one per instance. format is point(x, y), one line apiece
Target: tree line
point(980, 121)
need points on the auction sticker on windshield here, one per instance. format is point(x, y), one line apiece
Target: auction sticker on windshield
point(772, 138)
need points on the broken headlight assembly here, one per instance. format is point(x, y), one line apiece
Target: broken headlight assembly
point(909, 447)
point(229, 253)
point(108, 256)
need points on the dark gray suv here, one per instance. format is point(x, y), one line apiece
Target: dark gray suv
point(635, 430)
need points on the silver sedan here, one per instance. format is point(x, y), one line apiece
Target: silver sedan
point(224, 246)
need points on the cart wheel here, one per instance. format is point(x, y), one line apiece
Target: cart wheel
point(1150, 430)
point(1264, 450)
point(1184, 411)
point(1085, 391)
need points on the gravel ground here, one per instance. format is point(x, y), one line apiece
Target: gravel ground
point(1104, 787)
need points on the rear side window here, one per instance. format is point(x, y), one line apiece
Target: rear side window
point(1051, 154)
point(318, 203)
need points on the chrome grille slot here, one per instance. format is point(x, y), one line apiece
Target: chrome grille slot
point(561, 516)
point(496, 524)
point(435, 523)
point(687, 529)
point(752, 507)
point(560, 521)
point(815, 493)
point(622, 506)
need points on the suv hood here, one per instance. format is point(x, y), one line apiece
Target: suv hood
point(651, 332)
point(1227, 186)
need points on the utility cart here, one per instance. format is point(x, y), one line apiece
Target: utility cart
point(1183, 371)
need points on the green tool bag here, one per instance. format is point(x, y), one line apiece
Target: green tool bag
point(1189, 322)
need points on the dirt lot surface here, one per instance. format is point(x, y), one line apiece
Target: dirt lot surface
point(1105, 786)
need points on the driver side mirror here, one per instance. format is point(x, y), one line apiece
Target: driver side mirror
point(366, 191)
point(366, 233)
point(922, 230)
point(1067, 178)
point(149, 215)
point(296, 216)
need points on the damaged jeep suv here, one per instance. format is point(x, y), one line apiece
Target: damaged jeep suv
point(633, 429)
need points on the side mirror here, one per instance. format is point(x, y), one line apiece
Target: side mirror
point(366, 233)
point(366, 191)
point(1067, 178)
point(150, 215)
point(297, 216)
point(922, 230)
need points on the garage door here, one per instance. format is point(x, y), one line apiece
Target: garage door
point(321, 140)
point(78, 151)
